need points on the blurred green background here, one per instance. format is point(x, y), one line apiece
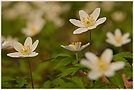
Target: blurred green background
point(58, 31)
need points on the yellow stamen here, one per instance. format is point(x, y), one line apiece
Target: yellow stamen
point(88, 21)
point(118, 39)
point(25, 50)
point(101, 64)
point(33, 29)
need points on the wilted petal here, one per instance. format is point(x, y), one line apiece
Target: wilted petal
point(84, 46)
point(91, 57)
point(83, 14)
point(17, 45)
point(15, 54)
point(28, 41)
point(76, 22)
point(100, 21)
point(93, 75)
point(68, 47)
point(33, 47)
point(107, 55)
point(117, 65)
point(80, 30)
point(96, 13)
point(33, 54)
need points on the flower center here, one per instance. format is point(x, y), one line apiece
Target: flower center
point(88, 21)
point(25, 50)
point(75, 45)
point(101, 65)
point(118, 39)
point(33, 29)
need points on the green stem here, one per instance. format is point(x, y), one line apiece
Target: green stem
point(31, 73)
point(90, 40)
point(77, 55)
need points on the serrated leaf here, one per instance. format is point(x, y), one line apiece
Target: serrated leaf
point(117, 80)
point(125, 54)
point(20, 81)
point(64, 62)
point(47, 84)
point(58, 81)
point(118, 58)
point(128, 72)
point(71, 71)
point(78, 81)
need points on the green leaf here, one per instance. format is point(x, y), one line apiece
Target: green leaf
point(47, 84)
point(78, 81)
point(128, 72)
point(58, 81)
point(119, 58)
point(20, 81)
point(117, 80)
point(64, 62)
point(125, 54)
point(99, 84)
point(71, 71)
point(69, 85)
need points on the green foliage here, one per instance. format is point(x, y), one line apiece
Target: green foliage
point(117, 80)
point(47, 84)
point(69, 71)
point(99, 84)
point(122, 57)
point(128, 72)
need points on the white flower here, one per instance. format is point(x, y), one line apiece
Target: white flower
point(25, 51)
point(75, 46)
point(101, 65)
point(87, 22)
point(33, 27)
point(7, 43)
point(118, 39)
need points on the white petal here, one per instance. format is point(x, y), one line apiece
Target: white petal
point(82, 14)
point(76, 22)
point(68, 47)
point(15, 54)
point(77, 46)
point(33, 47)
point(87, 63)
point(80, 30)
point(17, 45)
point(118, 33)
point(92, 27)
point(91, 57)
point(93, 75)
point(107, 55)
point(84, 46)
point(100, 21)
point(117, 65)
point(126, 41)
point(96, 13)
point(109, 73)
point(111, 38)
point(28, 41)
point(33, 54)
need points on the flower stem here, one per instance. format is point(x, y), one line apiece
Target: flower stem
point(77, 56)
point(90, 40)
point(31, 73)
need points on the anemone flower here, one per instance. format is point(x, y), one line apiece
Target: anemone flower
point(117, 39)
point(24, 51)
point(102, 65)
point(87, 22)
